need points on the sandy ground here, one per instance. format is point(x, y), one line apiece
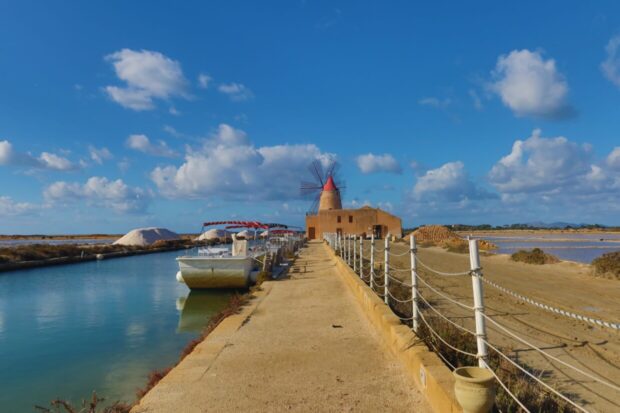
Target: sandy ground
point(566, 285)
point(307, 347)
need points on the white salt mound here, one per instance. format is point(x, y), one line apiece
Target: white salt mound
point(146, 236)
point(213, 234)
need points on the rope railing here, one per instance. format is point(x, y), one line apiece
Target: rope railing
point(591, 320)
point(418, 296)
point(552, 357)
point(445, 274)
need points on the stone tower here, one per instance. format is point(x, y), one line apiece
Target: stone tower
point(330, 196)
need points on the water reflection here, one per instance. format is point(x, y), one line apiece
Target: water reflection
point(198, 307)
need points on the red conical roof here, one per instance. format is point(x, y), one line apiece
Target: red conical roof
point(330, 185)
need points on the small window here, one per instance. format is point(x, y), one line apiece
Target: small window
point(339, 219)
point(350, 218)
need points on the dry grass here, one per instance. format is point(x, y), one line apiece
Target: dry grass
point(88, 406)
point(607, 265)
point(38, 252)
point(535, 256)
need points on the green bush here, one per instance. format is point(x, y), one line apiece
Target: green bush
point(535, 256)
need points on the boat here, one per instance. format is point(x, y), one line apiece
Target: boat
point(223, 267)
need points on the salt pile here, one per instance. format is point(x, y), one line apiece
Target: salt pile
point(146, 236)
point(213, 234)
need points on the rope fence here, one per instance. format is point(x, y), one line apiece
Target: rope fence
point(383, 282)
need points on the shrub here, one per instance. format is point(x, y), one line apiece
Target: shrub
point(607, 265)
point(535, 256)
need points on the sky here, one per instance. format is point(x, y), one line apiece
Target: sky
point(116, 115)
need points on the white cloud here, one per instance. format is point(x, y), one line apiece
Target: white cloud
point(613, 159)
point(230, 167)
point(204, 80)
point(99, 155)
point(371, 163)
point(475, 98)
point(541, 164)
point(100, 191)
point(450, 183)
point(6, 152)
point(531, 86)
point(236, 91)
point(148, 75)
point(611, 65)
point(435, 102)
point(47, 160)
point(174, 111)
point(143, 144)
point(8, 207)
point(53, 161)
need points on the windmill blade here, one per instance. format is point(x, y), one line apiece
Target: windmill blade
point(316, 169)
point(309, 188)
point(314, 208)
point(332, 169)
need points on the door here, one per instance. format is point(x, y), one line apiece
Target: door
point(378, 232)
point(311, 233)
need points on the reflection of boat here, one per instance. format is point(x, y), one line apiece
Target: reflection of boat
point(198, 308)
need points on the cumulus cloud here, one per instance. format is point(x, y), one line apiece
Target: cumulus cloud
point(99, 155)
point(148, 76)
point(9, 207)
point(204, 80)
point(229, 166)
point(46, 160)
point(236, 91)
point(451, 183)
point(613, 159)
point(371, 163)
point(531, 86)
point(143, 144)
point(99, 191)
point(611, 65)
point(541, 164)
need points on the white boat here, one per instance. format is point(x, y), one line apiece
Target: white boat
point(219, 267)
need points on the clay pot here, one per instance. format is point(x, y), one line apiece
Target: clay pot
point(474, 389)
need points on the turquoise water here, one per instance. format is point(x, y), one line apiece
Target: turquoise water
point(103, 325)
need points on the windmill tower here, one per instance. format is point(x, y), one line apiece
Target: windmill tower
point(325, 189)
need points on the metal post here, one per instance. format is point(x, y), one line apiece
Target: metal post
point(476, 282)
point(386, 262)
point(349, 250)
point(354, 251)
point(361, 257)
point(372, 262)
point(414, 283)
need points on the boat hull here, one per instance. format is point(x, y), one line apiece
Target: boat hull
point(201, 272)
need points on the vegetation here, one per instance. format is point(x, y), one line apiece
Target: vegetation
point(535, 256)
point(91, 406)
point(607, 265)
point(37, 252)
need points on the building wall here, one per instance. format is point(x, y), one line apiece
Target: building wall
point(362, 221)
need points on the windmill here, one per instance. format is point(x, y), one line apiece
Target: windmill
point(325, 187)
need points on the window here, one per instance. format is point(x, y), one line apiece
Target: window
point(339, 219)
point(350, 219)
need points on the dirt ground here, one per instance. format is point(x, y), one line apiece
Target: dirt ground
point(565, 285)
point(306, 347)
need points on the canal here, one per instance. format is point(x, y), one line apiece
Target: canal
point(66, 331)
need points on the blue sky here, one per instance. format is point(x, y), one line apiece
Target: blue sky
point(121, 114)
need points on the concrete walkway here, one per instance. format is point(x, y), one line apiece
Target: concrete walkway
point(303, 345)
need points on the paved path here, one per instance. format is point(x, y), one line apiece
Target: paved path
point(306, 347)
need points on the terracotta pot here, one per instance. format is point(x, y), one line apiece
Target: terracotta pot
point(474, 389)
